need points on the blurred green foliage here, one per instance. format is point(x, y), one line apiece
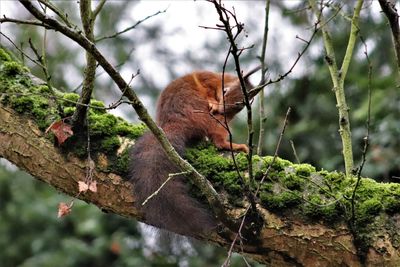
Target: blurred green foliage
point(30, 233)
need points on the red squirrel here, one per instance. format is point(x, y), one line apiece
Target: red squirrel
point(189, 110)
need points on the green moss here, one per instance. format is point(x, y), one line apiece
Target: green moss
point(43, 89)
point(22, 104)
point(122, 163)
point(333, 177)
point(368, 209)
point(4, 56)
point(69, 111)
point(292, 181)
point(206, 158)
point(304, 169)
point(241, 161)
point(279, 164)
point(391, 205)
point(110, 144)
point(80, 149)
point(132, 131)
point(98, 107)
point(102, 124)
point(280, 202)
point(230, 181)
point(319, 208)
point(11, 68)
point(71, 98)
point(37, 101)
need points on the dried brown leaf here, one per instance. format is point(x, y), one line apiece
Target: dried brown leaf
point(61, 130)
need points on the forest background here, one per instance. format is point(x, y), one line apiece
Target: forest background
point(166, 43)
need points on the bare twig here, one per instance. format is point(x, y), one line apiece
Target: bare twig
point(389, 8)
point(88, 21)
point(294, 151)
point(238, 234)
point(90, 162)
point(130, 27)
point(278, 144)
point(226, 125)
point(280, 77)
point(120, 100)
point(58, 12)
point(26, 22)
point(21, 51)
point(366, 138)
point(98, 8)
point(264, 69)
point(224, 17)
point(43, 65)
point(170, 176)
point(103, 72)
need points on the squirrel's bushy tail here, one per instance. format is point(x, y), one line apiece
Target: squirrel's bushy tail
point(172, 208)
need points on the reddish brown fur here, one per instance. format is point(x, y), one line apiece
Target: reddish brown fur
point(183, 112)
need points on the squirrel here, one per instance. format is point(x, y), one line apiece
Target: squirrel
point(190, 109)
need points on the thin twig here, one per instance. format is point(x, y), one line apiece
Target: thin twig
point(88, 22)
point(58, 12)
point(366, 138)
point(264, 69)
point(224, 17)
point(26, 22)
point(130, 27)
point(103, 72)
point(278, 144)
point(90, 162)
point(237, 235)
point(155, 193)
point(98, 8)
point(226, 125)
point(389, 9)
point(43, 65)
point(21, 51)
point(294, 152)
point(280, 77)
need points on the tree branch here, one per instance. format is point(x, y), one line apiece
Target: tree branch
point(264, 69)
point(390, 11)
point(203, 184)
point(24, 145)
point(282, 241)
point(88, 20)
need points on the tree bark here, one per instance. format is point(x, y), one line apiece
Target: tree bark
point(283, 241)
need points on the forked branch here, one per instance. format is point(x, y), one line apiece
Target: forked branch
point(200, 181)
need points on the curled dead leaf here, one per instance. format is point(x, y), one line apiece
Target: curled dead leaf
point(64, 209)
point(83, 187)
point(61, 130)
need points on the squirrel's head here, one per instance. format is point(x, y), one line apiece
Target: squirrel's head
point(233, 94)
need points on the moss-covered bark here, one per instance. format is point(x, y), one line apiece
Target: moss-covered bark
point(307, 212)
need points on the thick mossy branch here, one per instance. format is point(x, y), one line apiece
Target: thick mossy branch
point(109, 135)
point(297, 192)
